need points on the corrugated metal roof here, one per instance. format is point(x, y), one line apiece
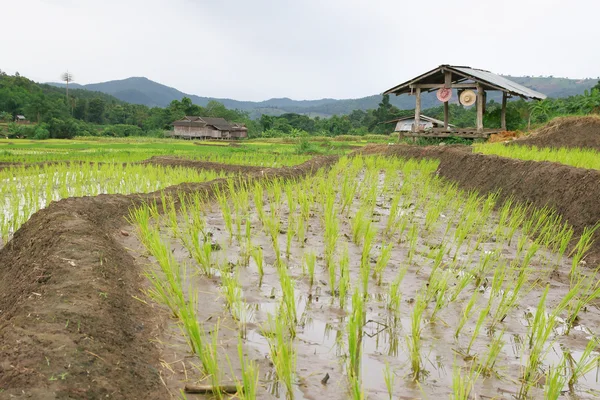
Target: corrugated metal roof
point(500, 81)
point(423, 117)
point(461, 73)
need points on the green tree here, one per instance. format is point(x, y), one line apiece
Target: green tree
point(96, 109)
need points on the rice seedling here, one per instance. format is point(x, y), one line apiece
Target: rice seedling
point(462, 385)
point(583, 245)
point(389, 378)
point(486, 368)
point(282, 352)
point(355, 334)
point(587, 362)
point(556, 379)
point(288, 300)
point(382, 261)
point(395, 294)
point(539, 332)
point(247, 387)
point(365, 265)
point(344, 281)
point(413, 341)
point(257, 255)
point(478, 325)
point(310, 260)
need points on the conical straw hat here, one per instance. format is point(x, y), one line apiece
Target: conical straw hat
point(444, 94)
point(468, 98)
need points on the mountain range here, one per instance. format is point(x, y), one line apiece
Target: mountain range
point(140, 90)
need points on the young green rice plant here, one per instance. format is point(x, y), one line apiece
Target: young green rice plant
point(508, 298)
point(586, 291)
point(310, 260)
point(210, 362)
point(358, 225)
point(355, 334)
point(257, 255)
point(464, 279)
point(331, 237)
point(289, 235)
point(283, 354)
point(226, 212)
point(288, 300)
point(272, 224)
point(248, 386)
point(258, 195)
point(389, 378)
point(583, 245)
point(232, 290)
point(466, 313)
point(394, 211)
point(344, 281)
point(587, 362)
point(437, 290)
point(556, 378)
point(365, 265)
point(462, 385)
point(413, 342)
point(480, 322)
point(563, 239)
point(395, 293)
point(413, 236)
point(539, 332)
point(202, 254)
point(486, 368)
point(382, 261)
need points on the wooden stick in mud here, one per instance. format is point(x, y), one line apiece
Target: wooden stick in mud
point(229, 389)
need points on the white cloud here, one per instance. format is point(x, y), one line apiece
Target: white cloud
point(254, 50)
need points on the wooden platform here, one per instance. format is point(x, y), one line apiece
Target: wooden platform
point(463, 133)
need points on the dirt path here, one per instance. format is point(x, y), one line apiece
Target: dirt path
point(70, 326)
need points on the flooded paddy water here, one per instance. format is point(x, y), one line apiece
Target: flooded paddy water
point(375, 280)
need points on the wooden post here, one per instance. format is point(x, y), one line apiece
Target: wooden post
point(479, 108)
point(447, 84)
point(446, 115)
point(503, 115)
point(417, 110)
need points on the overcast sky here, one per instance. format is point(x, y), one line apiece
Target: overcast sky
point(303, 49)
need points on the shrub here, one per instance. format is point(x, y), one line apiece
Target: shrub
point(41, 132)
point(122, 130)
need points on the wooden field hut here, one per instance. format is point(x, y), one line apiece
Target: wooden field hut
point(192, 127)
point(471, 86)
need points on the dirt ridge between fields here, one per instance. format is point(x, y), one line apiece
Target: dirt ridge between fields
point(70, 327)
point(572, 192)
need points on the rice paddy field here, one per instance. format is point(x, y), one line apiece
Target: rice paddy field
point(254, 272)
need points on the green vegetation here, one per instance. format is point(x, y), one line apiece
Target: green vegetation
point(581, 158)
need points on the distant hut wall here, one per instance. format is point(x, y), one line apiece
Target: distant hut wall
point(406, 125)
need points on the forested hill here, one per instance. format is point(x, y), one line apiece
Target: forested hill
point(139, 90)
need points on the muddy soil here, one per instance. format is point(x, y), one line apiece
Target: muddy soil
point(70, 324)
point(572, 192)
point(570, 132)
point(321, 329)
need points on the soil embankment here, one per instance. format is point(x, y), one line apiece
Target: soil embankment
point(572, 192)
point(70, 324)
point(570, 132)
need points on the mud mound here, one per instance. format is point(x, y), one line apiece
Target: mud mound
point(70, 326)
point(571, 132)
point(572, 192)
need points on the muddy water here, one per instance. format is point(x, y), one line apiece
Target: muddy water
point(321, 343)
